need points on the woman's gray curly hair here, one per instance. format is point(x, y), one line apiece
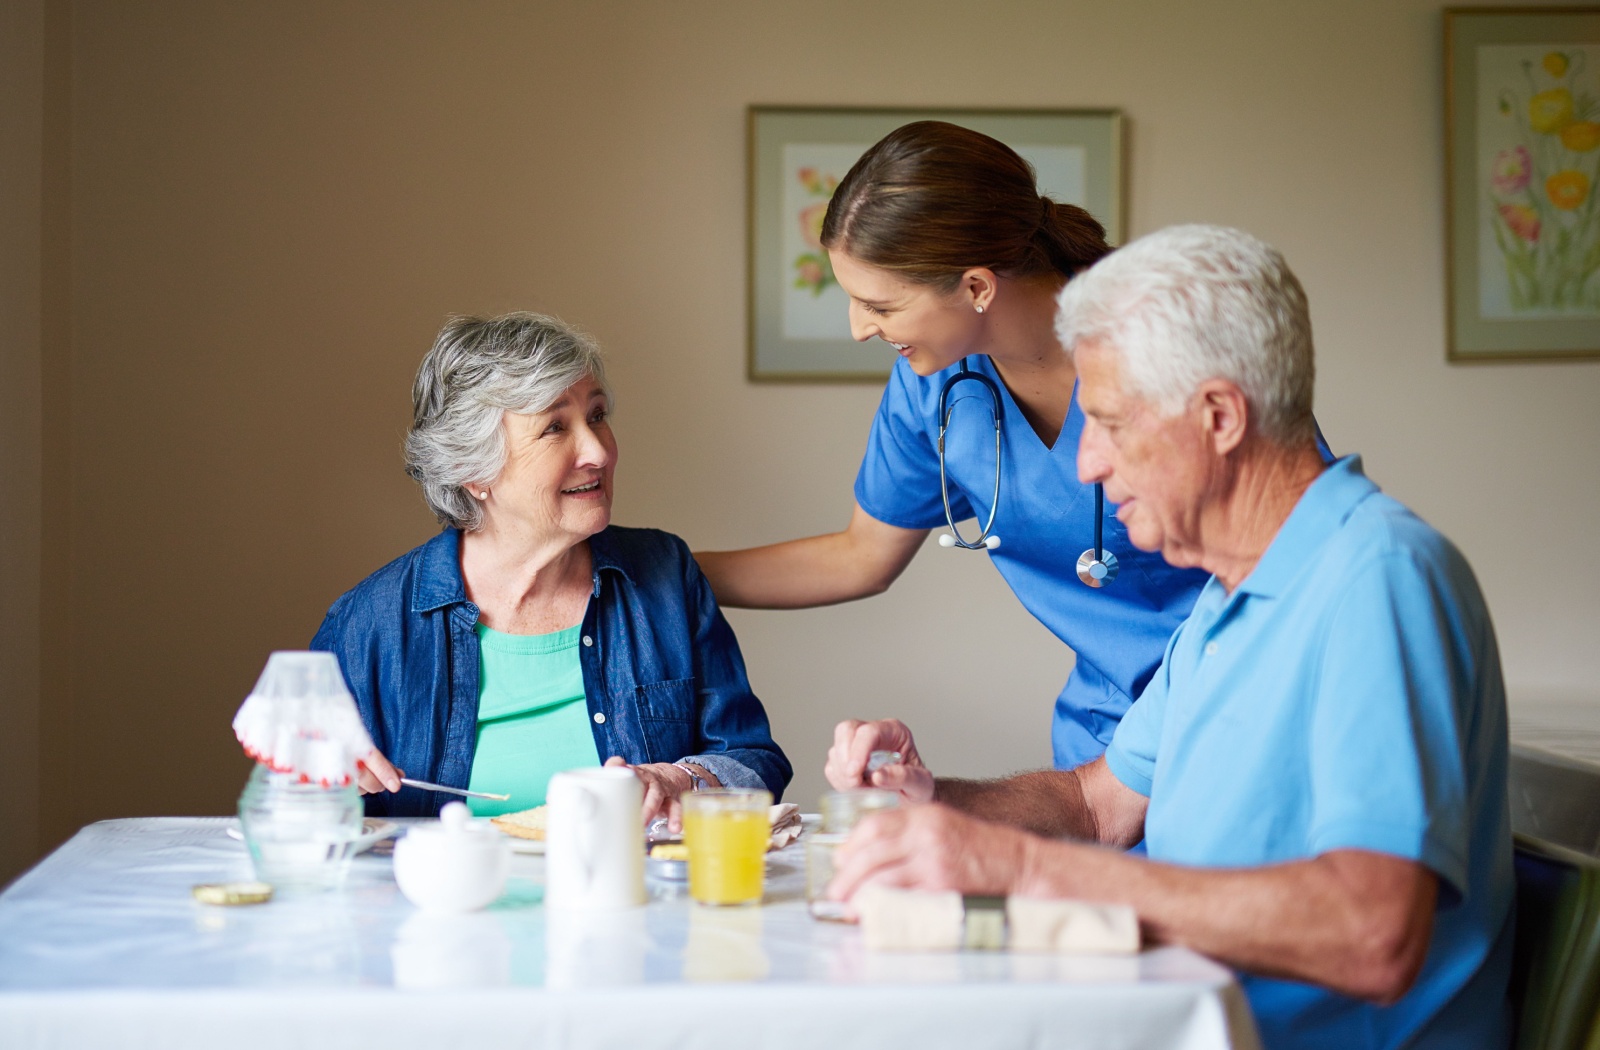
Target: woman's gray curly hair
point(478, 370)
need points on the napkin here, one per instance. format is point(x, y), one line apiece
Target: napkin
point(785, 820)
point(912, 920)
point(1038, 925)
point(300, 718)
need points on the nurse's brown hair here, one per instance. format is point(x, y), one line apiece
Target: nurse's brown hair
point(932, 200)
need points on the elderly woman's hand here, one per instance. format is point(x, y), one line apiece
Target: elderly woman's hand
point(375, 774)
point(663, 783)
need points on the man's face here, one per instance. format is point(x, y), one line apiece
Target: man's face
point(1156, 469)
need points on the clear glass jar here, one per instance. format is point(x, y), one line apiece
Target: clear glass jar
point(301, 836)
point(841, 811)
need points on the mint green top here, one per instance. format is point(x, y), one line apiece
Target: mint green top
point(532, 718)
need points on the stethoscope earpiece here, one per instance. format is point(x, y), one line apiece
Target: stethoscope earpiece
point(991, 541)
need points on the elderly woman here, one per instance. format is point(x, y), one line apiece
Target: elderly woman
point(533, 636)
point(1318, 766)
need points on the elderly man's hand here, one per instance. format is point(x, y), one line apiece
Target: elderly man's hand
point(853, 744)
point(931, 848)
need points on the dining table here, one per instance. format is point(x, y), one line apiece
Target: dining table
point(102, 944)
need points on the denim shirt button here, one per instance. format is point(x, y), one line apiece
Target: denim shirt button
point(587, 640)
point(599, 718)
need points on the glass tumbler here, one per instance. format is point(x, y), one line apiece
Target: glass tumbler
point(841, 811)
point(727, 832)
point(301, 836)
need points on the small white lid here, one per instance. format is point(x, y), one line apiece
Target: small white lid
point(456, 829)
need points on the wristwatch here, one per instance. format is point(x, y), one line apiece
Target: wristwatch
point(697, 782)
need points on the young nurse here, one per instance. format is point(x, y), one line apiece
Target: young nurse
point(948, 252)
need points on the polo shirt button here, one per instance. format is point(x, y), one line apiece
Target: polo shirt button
point(587, 640)
point(599, 718)
point(1211, 648)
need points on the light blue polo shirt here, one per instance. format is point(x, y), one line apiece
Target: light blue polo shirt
point(1347, 695)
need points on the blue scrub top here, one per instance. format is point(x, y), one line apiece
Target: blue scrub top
point(1346, 695)
point(1045, 520)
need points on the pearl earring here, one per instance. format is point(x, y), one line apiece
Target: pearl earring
point(980, 308)
point(483, 495)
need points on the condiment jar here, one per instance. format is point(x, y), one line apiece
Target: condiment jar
point(456, 865)
point(841, 811)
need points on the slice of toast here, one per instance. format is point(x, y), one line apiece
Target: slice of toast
point(526, 824)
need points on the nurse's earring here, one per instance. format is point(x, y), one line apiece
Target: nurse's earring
point(979, 308)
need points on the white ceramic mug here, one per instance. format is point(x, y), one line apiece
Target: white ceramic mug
point(594, 845)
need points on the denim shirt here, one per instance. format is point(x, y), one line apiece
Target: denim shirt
point(662, 673)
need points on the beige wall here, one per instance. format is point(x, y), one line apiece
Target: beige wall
point(21, 223)
point(274, 206)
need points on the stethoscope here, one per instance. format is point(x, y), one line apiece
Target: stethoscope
point(1096, 566)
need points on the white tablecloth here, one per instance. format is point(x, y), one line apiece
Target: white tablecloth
point(101, 945)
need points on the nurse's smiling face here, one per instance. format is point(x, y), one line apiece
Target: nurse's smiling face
point(1158, 469)
point(932, 330)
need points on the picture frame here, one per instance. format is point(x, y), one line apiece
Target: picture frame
point(1522, 175)
point(799, 327)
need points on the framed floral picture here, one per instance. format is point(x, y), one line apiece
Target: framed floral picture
point(1522, 129)
point(799, 321)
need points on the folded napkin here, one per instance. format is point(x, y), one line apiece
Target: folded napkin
point(895, 920)
point(785, 819)
point(300, 718)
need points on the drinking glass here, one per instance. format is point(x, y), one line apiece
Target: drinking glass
point(727, 831)
point(841, 811)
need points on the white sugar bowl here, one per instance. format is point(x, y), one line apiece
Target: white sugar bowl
point(456, 865)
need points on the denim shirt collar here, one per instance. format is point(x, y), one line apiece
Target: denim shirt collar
point(438, 581)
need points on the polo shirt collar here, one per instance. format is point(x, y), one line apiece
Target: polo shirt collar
point(439, 581)
point(1321, 511)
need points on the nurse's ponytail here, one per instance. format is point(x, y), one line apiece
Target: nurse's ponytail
point(932, 200)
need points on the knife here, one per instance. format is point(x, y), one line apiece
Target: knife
point(424, 785)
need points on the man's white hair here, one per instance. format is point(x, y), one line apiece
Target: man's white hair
point(1191, 303)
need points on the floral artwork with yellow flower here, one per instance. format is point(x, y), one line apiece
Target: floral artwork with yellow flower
point(1540, 191)
point(812, 267)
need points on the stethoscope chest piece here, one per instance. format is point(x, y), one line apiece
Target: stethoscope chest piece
point(1097, 568)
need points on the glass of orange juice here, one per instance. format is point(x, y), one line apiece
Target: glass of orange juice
point(727, 831)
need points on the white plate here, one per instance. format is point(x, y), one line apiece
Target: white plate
point(373, 831)
point(533, 846)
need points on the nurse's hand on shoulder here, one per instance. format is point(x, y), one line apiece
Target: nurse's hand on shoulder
point(855, 741)
point(375, 774)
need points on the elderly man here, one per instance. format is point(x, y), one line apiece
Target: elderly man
point(1319, 766)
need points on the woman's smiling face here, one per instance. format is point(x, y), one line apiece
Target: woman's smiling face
point(932, 330)
point(559, 464)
